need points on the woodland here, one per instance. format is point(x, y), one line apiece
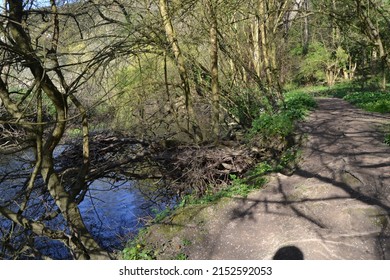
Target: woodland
point(186, 96)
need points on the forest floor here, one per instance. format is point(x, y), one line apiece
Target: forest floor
point(336, 205)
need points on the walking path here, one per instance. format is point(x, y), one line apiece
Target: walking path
point(336, 205)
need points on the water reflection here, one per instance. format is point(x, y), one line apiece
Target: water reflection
point(112, 210)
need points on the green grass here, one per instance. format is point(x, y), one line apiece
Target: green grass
point(387, 139)
point(372, 101)
point(237, 187)
point(311, 90)
point(136, 249)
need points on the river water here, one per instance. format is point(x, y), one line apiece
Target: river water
point(112, 210)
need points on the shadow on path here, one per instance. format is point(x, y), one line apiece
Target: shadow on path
point(289, 253)
point(339, 195)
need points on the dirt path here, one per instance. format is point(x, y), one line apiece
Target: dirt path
point(335, 206)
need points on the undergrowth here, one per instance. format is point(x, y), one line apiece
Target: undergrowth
point(372, 101)
point(274, 131)
point(387, 139)
point(136, 249)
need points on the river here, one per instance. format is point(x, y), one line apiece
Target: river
point(112, 210)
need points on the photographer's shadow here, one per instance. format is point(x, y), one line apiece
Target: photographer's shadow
point(289, 253)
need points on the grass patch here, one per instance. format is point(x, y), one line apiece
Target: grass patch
point(136, 249)
point(237, 187)
point(387, 139)
point(372, 101)
point(311, 90)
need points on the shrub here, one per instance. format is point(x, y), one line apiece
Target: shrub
point(296, 106)
point(270, 125)
point(273, 131)
point(246, 104)
point(299, 101)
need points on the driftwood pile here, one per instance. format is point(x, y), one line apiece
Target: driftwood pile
point(185, 168)
point(195, 168)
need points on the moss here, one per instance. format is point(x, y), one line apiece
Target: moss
point(298, 193)
point(350, 179)
point(377, 217)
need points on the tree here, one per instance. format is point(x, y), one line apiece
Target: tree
point(370, 15)
point(359, 28)
point(38, 92)
point(212, 8)
point(192, 126)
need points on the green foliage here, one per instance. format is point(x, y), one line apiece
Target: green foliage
point(137, 86)
point(370, 101)
point(300, 100)
point(288, 160)
point(311, 90)
point(181, 256)
point(281, 124)
point(137, 250)
point(245, 104)
point(387, 139)
point(311, 68)
point(338, 90)
point(242, 186)
point(186, 242)
point(238, 187)
point(161, 215)
point(261, 169)
point(270, 125)
point(74, 133)
point(297, 104)
point(319, 60)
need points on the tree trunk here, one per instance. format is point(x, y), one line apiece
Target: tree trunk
point(306, 34)
point(263, 13)
point(191, 124)
point(81, 242)
point(256, 45)
point(212, 7)
point(372, 32)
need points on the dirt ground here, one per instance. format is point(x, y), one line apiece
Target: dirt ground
point(336, 205)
